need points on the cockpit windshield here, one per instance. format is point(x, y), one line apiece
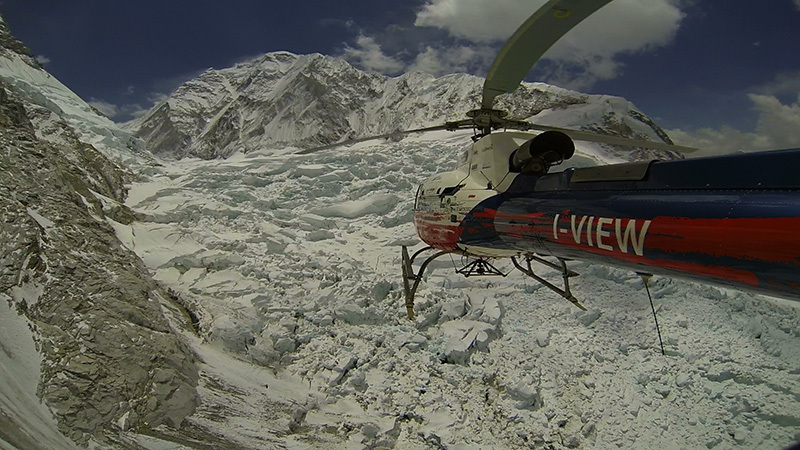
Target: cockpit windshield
point(464, 155)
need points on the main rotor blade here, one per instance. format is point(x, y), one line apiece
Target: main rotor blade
point(446, 126)
point(546, 26)
point(615, 140)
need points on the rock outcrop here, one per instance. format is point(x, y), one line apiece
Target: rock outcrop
point(107, 334)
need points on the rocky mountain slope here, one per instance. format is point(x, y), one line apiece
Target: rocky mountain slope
point(85, 327)
point(282, 99)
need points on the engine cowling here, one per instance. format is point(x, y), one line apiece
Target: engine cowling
point(545, 150)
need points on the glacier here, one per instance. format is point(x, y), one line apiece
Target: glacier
point(296, 267)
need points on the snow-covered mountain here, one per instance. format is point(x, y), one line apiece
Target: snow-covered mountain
point(255, 302)
point(59, 116)
point(282, 99)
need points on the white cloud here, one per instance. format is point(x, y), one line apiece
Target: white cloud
point(369, 55)
point(720, 141)
point(473, 21)
point(797, 3)
point(157, 97)
point(784, 83)
point(113, 111)
point(585, 54)
point(43, 60)
point(457, 59)
point(109, 109)
point(778, 123)
point(778, 127)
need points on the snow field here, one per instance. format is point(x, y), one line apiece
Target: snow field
point(292, 265)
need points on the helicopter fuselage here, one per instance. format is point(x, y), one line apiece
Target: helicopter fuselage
point(731, 220)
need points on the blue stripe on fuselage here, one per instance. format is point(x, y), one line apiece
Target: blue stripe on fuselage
point(754, 185)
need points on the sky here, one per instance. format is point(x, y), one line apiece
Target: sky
point(719, 75)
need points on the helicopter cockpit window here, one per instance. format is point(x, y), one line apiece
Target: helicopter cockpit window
point(464, 157)
point(462, 160)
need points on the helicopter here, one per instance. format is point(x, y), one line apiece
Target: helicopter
point(730, 220)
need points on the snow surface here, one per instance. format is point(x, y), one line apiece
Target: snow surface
point(292, 266)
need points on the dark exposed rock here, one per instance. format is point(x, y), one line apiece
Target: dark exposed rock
point(110, 356)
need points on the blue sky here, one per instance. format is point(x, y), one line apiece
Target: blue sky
point(717, 74)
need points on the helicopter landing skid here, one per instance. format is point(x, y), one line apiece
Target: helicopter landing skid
point(480, 267)
point(411, 280)
point(566, 274)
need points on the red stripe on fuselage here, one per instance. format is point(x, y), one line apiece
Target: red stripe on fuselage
point(720, 272)
point(771, 240)
point(761, 239)
point(436, 230)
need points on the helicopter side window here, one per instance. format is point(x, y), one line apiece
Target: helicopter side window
point(464, 158)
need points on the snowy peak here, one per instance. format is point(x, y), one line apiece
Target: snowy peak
point(58, 114)
point(281, 99)
point(8, 43)
point(274, 99)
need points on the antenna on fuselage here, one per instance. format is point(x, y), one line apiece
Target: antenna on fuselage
point(646, 280)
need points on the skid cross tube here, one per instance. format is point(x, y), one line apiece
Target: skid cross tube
point(565, 274)
point(480, 267)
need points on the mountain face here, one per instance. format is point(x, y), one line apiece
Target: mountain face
point(282, 99)
point(57, 114)
point(85, 328)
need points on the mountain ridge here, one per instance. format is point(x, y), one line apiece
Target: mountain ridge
point(282, 99)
